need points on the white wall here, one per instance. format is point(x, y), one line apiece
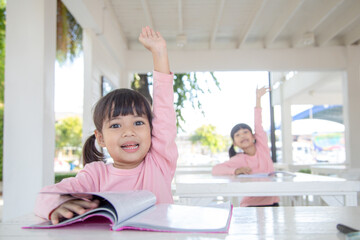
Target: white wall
point(97, 63)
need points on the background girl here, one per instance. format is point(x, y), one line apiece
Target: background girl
point(255, 155)
point(141, 143)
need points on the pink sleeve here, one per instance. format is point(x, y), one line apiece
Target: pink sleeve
point(163, 146)
point(262, 143)
point(226, 168)
point(260, 134)
point(46, 203)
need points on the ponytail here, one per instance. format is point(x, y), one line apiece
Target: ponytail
point(232, 151)
point(90, 153)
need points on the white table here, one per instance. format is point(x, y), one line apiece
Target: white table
point(328, 169)
point(335, 191)
point(193, 170)
point(247, 223)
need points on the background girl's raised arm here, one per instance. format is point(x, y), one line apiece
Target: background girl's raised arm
point(259, 93)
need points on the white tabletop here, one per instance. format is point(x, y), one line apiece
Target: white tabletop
point(206, 185)
point(328, 169)
point(247, 223)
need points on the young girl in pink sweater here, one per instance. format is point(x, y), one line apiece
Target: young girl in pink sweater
point(255, 156)
point(141, 143)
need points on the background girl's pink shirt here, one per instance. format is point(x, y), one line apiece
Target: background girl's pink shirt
point(261, 162)
point(155, 173)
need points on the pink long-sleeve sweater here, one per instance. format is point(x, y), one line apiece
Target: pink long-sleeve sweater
point(261, 162)
point(155, 173)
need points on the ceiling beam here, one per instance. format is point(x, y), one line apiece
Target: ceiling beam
point(340, 24)
point(147, 13)
point(118, 26)
point(325, 12)
point(282, 20)
point(256, 13)
point(217, 22)
point(180, 15)
point(352, 37)
point(321, 15)
point(292, 59)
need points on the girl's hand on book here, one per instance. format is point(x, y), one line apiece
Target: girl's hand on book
point(243, 170)
point(69, 208)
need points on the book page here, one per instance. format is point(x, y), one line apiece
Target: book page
point(267, 175)
point(181, 218)
point(129, 203)
point(255, 175)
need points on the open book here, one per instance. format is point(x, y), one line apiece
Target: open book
point(271, 174)
point(137, 210)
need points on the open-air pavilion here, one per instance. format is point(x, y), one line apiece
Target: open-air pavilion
point(317, 39)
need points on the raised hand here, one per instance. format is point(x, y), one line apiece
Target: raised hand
point(156, 44)
point(153, 41)
point(259, 93)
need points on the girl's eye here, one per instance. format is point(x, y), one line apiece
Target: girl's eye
point(138, 123)
point(115, 126)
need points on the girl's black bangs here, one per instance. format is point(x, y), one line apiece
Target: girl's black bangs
point(126, 104)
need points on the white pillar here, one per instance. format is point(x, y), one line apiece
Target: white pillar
point(90, 94)
point(286, 134)
point(351, 107)
point(29, 132)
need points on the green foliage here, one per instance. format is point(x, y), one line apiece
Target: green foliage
point(68, 132)
point(61, 176)
point(1, 140)
point(2, 48)
point(69, 35)
point(206, 135)
point(305, 170)
point(186, 88)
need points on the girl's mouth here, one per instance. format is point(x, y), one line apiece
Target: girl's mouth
point(130, 148)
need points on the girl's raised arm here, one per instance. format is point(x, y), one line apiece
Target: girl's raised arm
point(156, 44)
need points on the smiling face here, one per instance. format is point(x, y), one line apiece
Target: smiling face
point(127, 139)
point(243, 138)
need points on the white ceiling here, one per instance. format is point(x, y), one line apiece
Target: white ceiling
point(240, 24)
point(228, 35)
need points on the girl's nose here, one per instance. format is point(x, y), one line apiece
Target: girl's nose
point(128, 132)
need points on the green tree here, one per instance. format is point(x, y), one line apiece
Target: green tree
point(206, 135)
point(2, 76)
point(69, 35)
point(186, 88)
point(68, 133)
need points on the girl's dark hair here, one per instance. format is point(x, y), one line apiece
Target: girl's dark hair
point(236, 128)
point(119, 102)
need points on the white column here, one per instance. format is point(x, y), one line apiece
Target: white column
point(29, 132)
point(286, 134)
point(351, 107)
point(89, 92)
